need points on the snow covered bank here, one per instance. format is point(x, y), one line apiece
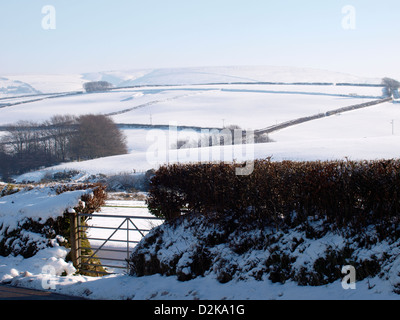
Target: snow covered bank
point(34, 226)
point(260, 262)
point(30, 273)
point(36, 204)
point(157, 287)
point(234, 249)
point(48, 269)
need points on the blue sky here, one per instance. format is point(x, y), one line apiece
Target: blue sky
point(101, 35)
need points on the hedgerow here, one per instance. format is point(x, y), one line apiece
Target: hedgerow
point(283, 193)
point(287, 221)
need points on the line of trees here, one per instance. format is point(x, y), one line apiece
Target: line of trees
point(30, 145)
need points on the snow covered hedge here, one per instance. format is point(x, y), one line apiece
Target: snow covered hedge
point(235, 248)
point(297, 221)
point(36, 217)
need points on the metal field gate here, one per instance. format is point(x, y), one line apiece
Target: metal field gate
point(103, 255)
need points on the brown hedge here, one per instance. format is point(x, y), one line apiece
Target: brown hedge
point(282, 192)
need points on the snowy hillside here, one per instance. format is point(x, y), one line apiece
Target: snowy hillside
point(213, 97)
point(309, 150)
point(375, 122)
point(197, 105)
point(52, 83)
point(242, 74)
point(11, 88)
point(179, 76)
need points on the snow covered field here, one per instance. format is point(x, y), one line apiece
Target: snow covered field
point(372, 122)
point(194, 106)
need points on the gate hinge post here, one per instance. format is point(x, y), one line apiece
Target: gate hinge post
point(75, 240)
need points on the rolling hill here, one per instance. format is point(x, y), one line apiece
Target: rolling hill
point(214, 97)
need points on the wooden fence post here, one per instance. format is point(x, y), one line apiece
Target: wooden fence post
point(75, 240)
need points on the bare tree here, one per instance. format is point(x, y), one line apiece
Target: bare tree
point(4, 163)
point(21, 136)
point(61, 129)
point(97, 136)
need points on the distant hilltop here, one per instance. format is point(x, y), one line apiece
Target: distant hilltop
point(180, 76)
point(202, 75)
point(15, 88)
